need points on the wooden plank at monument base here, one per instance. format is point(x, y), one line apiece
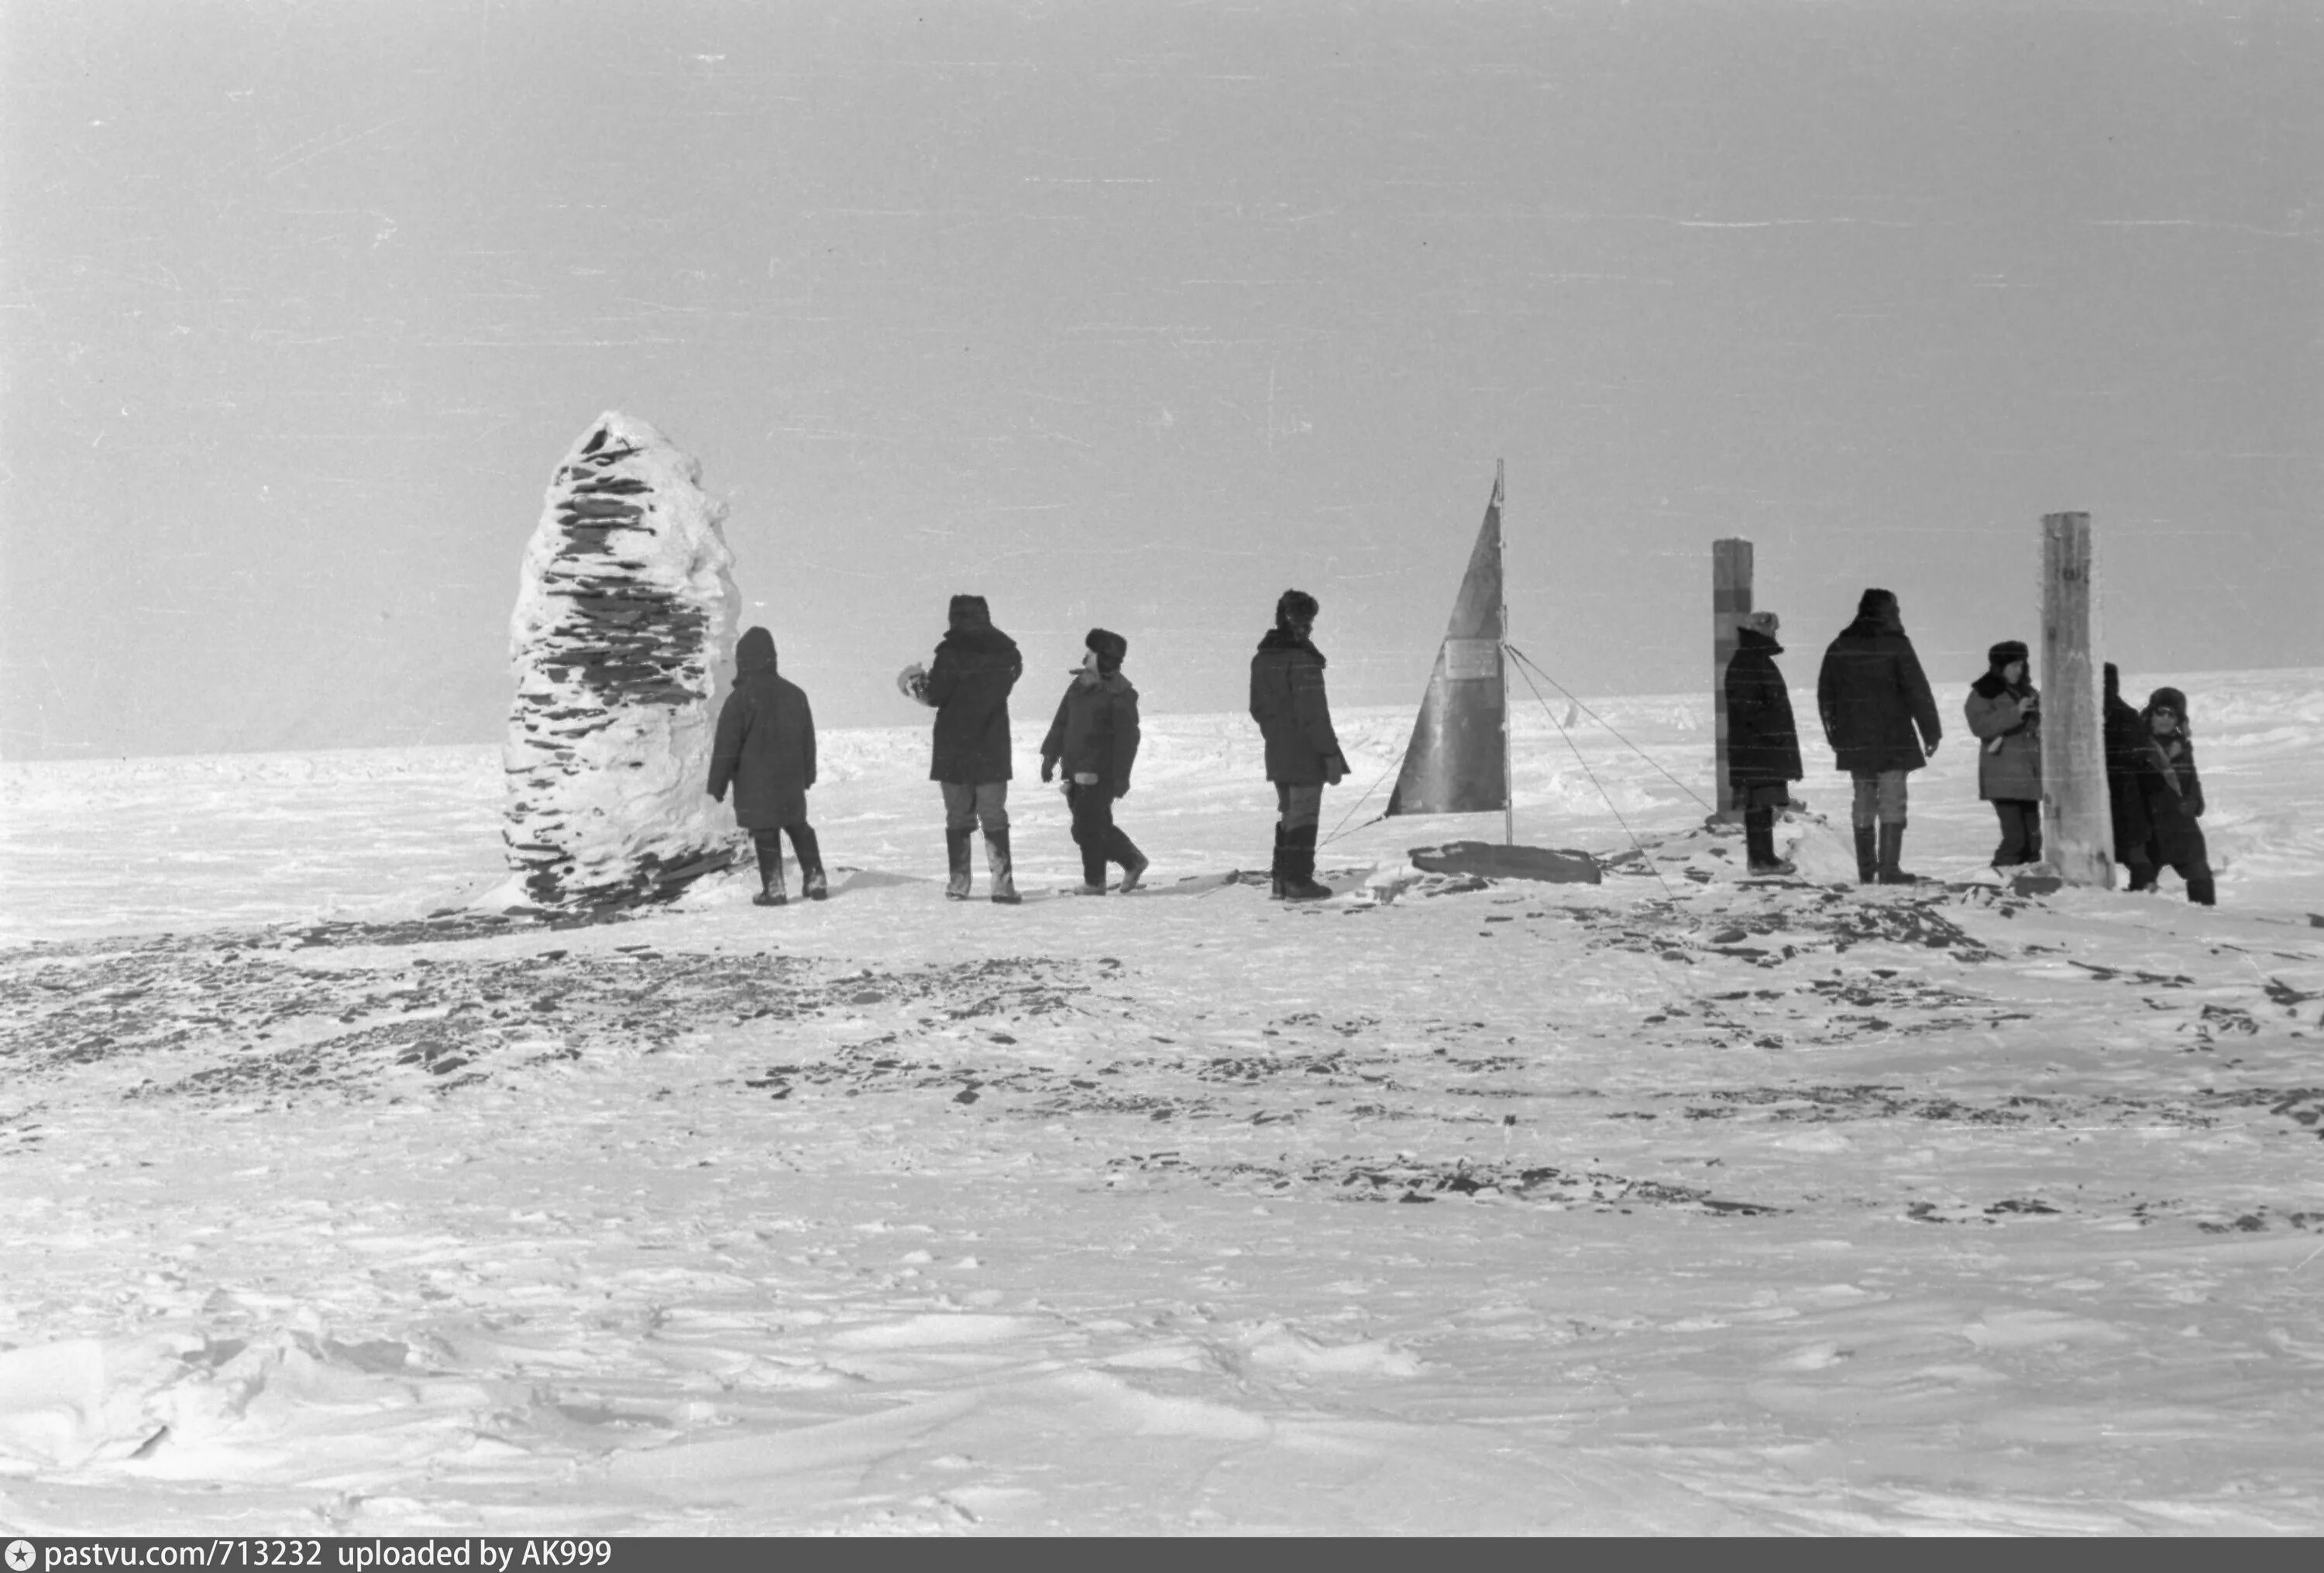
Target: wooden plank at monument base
point(1499, 863)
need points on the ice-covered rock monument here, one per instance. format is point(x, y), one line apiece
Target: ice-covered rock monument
point(625, 616)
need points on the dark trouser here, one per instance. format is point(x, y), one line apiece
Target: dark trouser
point(2180, 847)
point(2021, 831)
point(769, 843)
point(1759, 800)
point(1879, 798)
point(1295, 805)
point(1096, 834)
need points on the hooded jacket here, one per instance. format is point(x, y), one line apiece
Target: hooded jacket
point(1763, 741)
point(1095, 731)
point(765, 743)
point(1872, 695)
point(2007, 720)
point(969, 682)
point(1295, 717)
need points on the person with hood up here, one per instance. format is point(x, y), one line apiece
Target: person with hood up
point(1882, 723)
point(2126, 804)
point(764, 749)
point(1303, 751)
point(968, 684)
point(1094, 739)
point(2172, 796)
point(1763, 742)
point(2004, 714)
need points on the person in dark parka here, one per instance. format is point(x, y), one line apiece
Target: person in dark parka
point(1302, 753)
point(2125, 733)
point(2005, 713)
point(1094, 740)
point(968, 683)
point(1882, 723)
point(765, 749)
point(2173, 794)
point(1763, 743)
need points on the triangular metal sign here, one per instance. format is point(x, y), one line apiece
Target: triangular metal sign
point(1458, 759)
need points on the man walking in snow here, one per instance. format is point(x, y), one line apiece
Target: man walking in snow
point(1094, 739)
point(1875, 699)
point(969, 682)
point(1763, 742)
point(765, 749)
point(1303, 751)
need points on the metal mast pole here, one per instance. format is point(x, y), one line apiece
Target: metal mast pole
point(1509, 777)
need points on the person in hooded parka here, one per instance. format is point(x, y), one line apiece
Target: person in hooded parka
point(2126, 803)
point(2173, 795)
point(2005, 713)
point(1094, 740)
point(968, 683)
point(1303, 751)
point(1881, 721)
point(1763, 742)
point(764, 749)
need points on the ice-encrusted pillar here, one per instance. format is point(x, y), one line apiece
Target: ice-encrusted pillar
point(625, 618)
point(2077, 822)
point(1730, 602)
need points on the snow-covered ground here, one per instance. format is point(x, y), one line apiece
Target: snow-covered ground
point(1667, 1204)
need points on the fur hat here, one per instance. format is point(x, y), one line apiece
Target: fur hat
point(1295, 609)
point(2169, 699)
point(1764, 621)
point(968, 612)
point(1110, 648)
point(1877, 604)
point(2007, 651)
point(755, 651)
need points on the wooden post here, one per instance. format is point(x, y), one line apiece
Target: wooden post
point(1730, 599)
point(2077, 826)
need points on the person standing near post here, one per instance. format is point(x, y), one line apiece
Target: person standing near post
point(969, 683)
point(1094, 739)
point(1303, 751)
point(2125, 733)
point(2173, 796)
point(1882, 723)
point(1763, 743)
point(2004, 714)
point(764, 748)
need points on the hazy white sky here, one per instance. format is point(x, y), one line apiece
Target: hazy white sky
point(1136, 314)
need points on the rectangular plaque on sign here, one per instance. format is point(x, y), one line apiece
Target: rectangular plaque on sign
point(1470, 659)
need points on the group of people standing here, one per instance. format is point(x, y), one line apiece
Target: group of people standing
point(1882, 723)
point(764, 749)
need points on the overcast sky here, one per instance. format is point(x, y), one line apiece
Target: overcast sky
point(1136, 314)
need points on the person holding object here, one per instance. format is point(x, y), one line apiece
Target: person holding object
point(2173, 794)
point(968, 685)
point(2005, 713)
point(1094, 740)
point(764, 748)
point(1303, 751)
point(1882, 723)
point(1763, 742)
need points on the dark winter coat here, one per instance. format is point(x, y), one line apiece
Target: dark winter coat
point(969, 681)
point(1763, 743)
point(2007, 721)
point(765, 745)
point(2125, 799)
point(1287, 701)
point(1095, 733)
point(1873, 697)
point(2169, 787)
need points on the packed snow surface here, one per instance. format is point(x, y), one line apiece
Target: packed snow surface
point(1676, 1203)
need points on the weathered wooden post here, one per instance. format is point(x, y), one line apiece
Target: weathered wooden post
point(1730, 598)
point(2077, 828)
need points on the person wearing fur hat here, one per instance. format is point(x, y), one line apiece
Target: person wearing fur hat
point(1094, 740)
point(1881, 721)
point(1303, 751)
point(2126, 805)
point(2173, 795)
point(2004, 714)
point(968, 684)
point(764, 748)
point(1763, 742)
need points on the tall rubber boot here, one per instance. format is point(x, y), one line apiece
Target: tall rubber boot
point(1892, 847)
point(1004, 868)
point(768, 845)
point(2202, 890)
point(1867, 868)
point(812, 883)
point(1759, 843)
point(1299, 865)
point(959, 874)
point(1275, 867)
